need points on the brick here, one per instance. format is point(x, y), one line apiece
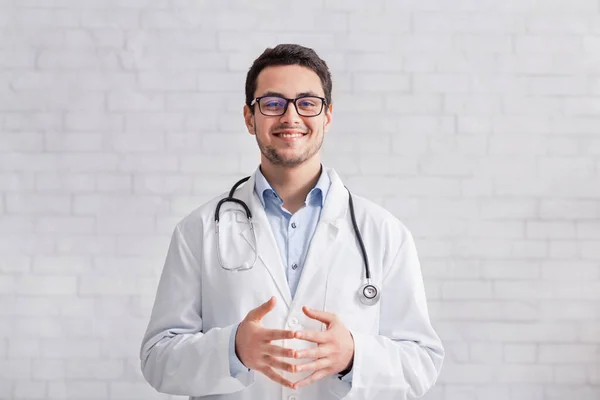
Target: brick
point(37, 204)
point(441, 83)
point(23, 348)
point(35, 285)
point(135, 101)
point(16, 223)
point(526, 374)
point(49, 370)
point(130, 390)
point(16, 182)
point(70, 348)
point(22, 141)
point(30, 390)
point(52, 327)
point(529, 290)
point(520, 353)
point(467, 290)
point(134, 142)
point(376, 21)
point(94, 122)
point(107, 204)
point(125, 223)
point(83, 389)
point(9, 264)
point(83, 245)
point(71, 224)
point(112, 18)
point(588, 230)
point(33, 305)
point(15, 369)
point(563, 353)
point(148, 163)
point(161, 184)
point(568, 311)
point(511, 269)
point(117, 183)
point(96, 369)
point(61, 265)
point(550, 230)
point(554, 43)
point(73, 142)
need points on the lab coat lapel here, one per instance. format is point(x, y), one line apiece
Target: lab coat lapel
point(268, 250)
point(325, 242)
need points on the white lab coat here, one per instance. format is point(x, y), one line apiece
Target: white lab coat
point(185, 350)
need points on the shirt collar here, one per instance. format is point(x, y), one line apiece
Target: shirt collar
point(318, 193)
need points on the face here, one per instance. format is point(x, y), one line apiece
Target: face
point(290, 139)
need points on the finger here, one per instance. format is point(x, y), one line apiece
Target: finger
point(259, 312)
point(316, 352)
point(314, 365)
point(274, 376)
point(278, 351)
point(315, 376)
point(279, 364)
point(312, 336)
point(323, 316)
point(276, 334)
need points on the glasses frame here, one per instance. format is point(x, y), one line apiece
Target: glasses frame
point(288, 101)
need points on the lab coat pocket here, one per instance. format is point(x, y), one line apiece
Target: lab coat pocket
point(234, 251)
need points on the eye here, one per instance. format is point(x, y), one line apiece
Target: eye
point(272, 102)
point(306, 103)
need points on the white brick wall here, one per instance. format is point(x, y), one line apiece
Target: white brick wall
point(476, 122)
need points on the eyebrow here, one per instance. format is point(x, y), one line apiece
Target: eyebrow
point(271, 93)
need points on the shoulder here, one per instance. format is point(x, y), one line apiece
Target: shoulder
point(199, 218)
point(378, 216)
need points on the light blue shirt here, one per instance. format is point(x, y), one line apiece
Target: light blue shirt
point(293, 234)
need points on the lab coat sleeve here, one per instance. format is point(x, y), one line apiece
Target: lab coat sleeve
point(347, 377)
point(405, 359)
point(177, 356)
point(235, 364)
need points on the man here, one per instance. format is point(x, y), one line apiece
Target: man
point(277, 309)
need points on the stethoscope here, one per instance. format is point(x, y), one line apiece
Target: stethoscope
point(368, 293)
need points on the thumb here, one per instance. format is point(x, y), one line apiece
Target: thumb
point(259, 312)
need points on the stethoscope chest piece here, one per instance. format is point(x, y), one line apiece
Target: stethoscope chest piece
point(369, 294)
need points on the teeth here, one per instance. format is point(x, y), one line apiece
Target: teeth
point(291, 135)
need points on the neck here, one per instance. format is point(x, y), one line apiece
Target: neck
point(292, 183)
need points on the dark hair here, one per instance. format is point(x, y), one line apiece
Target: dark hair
point(288, 54)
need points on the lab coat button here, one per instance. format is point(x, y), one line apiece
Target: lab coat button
point(292, 397)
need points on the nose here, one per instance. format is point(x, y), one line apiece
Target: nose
point(291, 115)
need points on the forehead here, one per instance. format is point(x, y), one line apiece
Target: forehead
point(289, 80)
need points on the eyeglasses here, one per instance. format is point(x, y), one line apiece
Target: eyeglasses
point(306, 106)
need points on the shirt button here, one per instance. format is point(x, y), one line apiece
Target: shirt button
point(294, 225)
point(292, 397)
point(293, 321)
point(294, 266)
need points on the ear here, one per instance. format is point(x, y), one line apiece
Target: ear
point(328, 117)
point(249, 120)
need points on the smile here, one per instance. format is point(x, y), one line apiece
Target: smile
point(290, 135)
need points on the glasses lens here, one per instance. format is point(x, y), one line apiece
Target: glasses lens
point(309, 106)
point(272, 105)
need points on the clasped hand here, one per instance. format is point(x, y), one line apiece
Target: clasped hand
point(334, 352)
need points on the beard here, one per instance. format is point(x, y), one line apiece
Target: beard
point(277, 158)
